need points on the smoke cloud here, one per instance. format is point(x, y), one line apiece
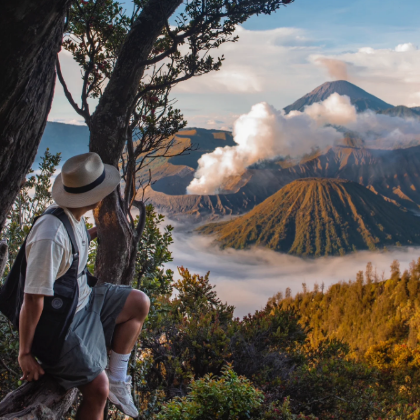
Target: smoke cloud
point(383, 131)
point(263, 133)
point(336, 110)
point(266, 133)
point(337, 69)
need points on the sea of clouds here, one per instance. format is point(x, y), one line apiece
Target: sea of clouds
point(247, 278)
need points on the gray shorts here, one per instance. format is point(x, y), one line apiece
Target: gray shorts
point(84, 355)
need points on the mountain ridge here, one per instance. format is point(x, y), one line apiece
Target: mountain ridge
point(401, 111)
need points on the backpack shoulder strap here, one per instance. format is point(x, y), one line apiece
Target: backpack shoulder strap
point(62, 216)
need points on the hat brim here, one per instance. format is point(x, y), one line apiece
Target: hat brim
point(65, 199)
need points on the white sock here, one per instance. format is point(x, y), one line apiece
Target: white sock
point(118, 364)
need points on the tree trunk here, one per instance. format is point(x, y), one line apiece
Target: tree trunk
point(116, 240)
point(41, 400)
point(30, 33)
point(108, 134)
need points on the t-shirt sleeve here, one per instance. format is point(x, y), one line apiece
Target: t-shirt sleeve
point(43, 263)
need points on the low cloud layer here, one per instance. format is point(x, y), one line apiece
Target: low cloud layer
point(266, 133)
point(247, 278)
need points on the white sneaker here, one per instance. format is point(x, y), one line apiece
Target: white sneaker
point(120, 396)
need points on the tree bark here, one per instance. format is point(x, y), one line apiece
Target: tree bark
point(31, 34)
point(108, 133)
point(40, 400)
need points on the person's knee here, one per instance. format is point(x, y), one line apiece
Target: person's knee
point(142, 303)
point(97, 390)
point(102, 390)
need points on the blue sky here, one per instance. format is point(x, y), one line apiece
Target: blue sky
point(375, 21)
point(283, 56)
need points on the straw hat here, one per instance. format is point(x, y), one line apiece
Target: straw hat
point(84, 180)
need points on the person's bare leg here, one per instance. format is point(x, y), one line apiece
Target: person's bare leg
point(94, 395)
point(130, 322)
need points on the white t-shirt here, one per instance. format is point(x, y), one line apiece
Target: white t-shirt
point(49, 255)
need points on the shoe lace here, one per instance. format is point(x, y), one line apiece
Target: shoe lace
point(130, 396)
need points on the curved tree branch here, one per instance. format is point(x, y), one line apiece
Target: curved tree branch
point(84, 113)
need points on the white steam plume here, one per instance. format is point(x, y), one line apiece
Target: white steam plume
point(263, 133)
point(383, 131)
point(266, 133)
point(336, 110)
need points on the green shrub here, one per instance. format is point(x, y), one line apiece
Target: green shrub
point(329, 385)
point(402, 412)
point(230, 397)
point(282, 411)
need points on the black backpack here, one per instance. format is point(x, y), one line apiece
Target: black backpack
point(58, 311)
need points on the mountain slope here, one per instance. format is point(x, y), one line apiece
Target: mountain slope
point(67, 139)
point(394, 174)
point(391, 173)
point(316, 217)
point(401, 111)
point(359, 97)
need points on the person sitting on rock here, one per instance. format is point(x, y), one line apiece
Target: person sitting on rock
point(56, 291)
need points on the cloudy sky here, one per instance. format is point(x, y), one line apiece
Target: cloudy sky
point(281, 57)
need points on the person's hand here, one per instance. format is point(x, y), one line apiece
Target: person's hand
point(31, 369)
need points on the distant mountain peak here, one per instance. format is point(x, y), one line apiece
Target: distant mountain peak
point(358, 97)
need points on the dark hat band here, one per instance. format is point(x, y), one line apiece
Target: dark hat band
point(85, 188)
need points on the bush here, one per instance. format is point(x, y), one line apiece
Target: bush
point(282, 411)
point(230, 397)
point(402, 412)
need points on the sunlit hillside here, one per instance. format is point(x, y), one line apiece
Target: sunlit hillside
point(315, 217)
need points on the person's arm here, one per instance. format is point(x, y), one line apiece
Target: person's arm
point(28, 320)
point(93, 232)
